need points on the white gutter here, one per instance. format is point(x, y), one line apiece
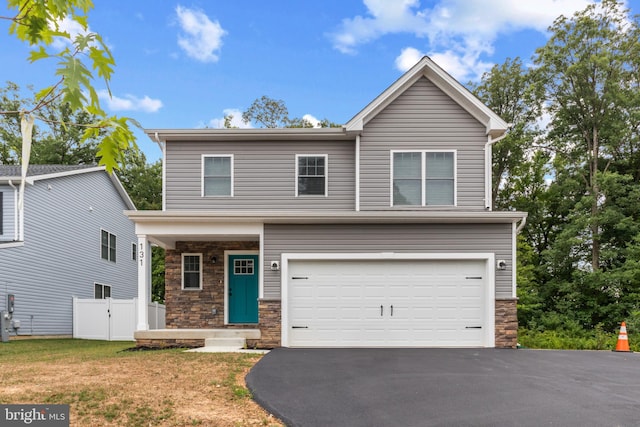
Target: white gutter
point(15, 210)
point(358, 173)
point(487, 170)
point(521, 226)
point(162, 146)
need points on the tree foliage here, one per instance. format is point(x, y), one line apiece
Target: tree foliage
point(54, 141)
point(84, 57)
point(273, 113)
point(579, 179)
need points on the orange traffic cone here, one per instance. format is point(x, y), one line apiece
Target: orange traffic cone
point(623, 340)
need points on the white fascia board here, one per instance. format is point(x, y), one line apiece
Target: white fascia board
point(252, 134)
point(324, 217)
point(173, 228)
point(65, 173)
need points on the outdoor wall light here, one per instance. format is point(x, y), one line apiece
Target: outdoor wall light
point(214, 259)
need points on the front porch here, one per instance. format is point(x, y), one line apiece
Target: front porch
point(213, 284)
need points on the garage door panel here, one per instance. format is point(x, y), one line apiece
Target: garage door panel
point(340, 303)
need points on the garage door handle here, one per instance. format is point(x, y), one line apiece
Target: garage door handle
point(381, 310)
point(299, 327)
point(473, 327)
point(297, 278)
point(391, 311)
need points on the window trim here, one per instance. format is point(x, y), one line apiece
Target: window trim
point(115, 249)
point(202, 176)
point(326, 175)
point(199, 255)
point(423, 166)
point(103, 286)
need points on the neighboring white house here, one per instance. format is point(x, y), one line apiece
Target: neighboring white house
point(70, 240)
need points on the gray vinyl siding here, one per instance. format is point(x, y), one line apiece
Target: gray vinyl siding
point(422, 118)
point(60, 257)
point(264, 175)
point(428, 238)
point(8, 214)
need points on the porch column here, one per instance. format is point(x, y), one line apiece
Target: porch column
point(144, 284)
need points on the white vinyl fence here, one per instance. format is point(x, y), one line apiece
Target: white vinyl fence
point(112, 319)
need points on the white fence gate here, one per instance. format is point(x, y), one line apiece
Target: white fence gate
point(112, 319)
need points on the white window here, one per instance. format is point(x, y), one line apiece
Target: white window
point(423, 178)
point(108, 246)
point(311, 174)
point(101, 291)
point(242, 267)
point(217, 175)
point(192, 271)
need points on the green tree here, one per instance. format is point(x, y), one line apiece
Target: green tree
point(273, 113)
point(54, 142)
point(37, 23)
point(588, 78)
point(509, 91)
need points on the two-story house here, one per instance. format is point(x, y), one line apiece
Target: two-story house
point(379, 233)
point(69, 238)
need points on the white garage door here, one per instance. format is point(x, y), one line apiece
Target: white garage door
point(386, 303)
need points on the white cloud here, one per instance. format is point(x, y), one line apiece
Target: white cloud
point(130, 103)
point(202, 38)
point(458, 32)
point(236, 119)
point(408, 58)
point(70, 26)
point(311, 119)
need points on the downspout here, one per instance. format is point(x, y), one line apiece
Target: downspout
point(488, 203)
point(521, 226)
point(15, 210)
point(161, 144)
point(358, 173)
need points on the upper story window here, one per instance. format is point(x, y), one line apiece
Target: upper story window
point(217, 175)
point(311, 175)
point(192, 271)
point(423, 178)
point(108, 246)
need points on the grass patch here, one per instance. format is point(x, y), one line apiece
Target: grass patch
point(105, 385)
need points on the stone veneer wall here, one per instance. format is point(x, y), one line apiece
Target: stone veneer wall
point(192, 309)
point(506, 323)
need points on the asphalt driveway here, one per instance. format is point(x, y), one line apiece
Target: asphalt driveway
point(448, 387)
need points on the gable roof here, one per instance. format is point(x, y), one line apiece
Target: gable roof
point(495, 126)
point(13, 173)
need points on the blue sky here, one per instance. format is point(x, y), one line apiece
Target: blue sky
point(186, 64)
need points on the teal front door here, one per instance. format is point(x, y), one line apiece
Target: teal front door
point(243, 288)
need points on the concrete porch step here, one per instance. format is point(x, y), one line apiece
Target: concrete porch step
point(160, 334)
point(234, 342)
